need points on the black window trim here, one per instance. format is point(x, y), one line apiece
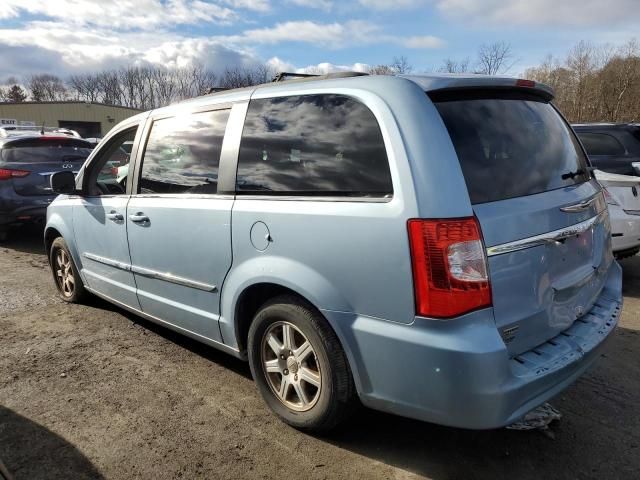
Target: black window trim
point(87, 172)
point(286, 196)
point(143, 148)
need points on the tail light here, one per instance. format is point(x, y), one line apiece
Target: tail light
point(6, 174)
point(608, 197)
point(450, 274)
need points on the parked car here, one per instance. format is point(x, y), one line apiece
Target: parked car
point(622, 193)
point(612, 147)
point(434, 245)
point(28, 157)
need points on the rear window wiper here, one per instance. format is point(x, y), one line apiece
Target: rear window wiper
point(572, 175)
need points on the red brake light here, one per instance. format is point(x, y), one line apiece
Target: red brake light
point(450, 274)
point(525, 83)
point(6, 174)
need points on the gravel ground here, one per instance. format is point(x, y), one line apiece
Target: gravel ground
point(93, 392)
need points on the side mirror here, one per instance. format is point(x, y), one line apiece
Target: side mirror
point(63, 183)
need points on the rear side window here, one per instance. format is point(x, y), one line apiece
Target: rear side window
point(183, 154)
point(510, 145)
point(328, 145)
point(601, 144)
point(46, 149)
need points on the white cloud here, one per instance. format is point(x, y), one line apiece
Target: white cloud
point(427, 41)
point(319, 4)
point(392, 4)
point(324, 68)
point(257, 5)
point(123, 14)
point(333, 35)
point(52, 48)
point(543, 12)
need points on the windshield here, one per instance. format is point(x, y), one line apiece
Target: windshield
point(45, 149)
point(510, 145)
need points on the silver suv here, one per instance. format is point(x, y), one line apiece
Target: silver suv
point(432, 245)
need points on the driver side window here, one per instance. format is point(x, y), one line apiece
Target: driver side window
point(110, 169)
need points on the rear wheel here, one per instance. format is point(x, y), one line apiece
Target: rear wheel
point(299, 366)
point(68, 281)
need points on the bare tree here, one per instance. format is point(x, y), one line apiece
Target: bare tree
point(401, 65)
point(595, 83)
point(46, 88)
point(85, 87)
point(450, 65)
point(237, 77)
point(380, 70)
point(494, 58)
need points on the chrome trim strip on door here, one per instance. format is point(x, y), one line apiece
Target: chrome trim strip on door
point(167, 277)
point(107, 261)
point(555, 236)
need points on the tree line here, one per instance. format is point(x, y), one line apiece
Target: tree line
point(148, 87)
point(592, 83)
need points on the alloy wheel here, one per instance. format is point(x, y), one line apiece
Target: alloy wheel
point(291, 366)
point(64, 273)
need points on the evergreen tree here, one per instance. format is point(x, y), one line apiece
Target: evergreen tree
point(16, 94)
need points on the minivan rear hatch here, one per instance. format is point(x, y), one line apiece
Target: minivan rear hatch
point(544, 220)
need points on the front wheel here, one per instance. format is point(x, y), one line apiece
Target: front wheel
point(70, 286)
point(299, 366)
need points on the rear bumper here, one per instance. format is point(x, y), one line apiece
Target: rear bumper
point(459, 373)
point(17, 209)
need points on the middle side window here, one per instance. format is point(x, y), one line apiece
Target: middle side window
point(182, 154)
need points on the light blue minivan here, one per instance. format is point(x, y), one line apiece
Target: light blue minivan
point(431, 246)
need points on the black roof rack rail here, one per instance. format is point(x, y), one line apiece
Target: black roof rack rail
point(284, 76)
point(216, 90)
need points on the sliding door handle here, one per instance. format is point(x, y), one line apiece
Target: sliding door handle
point(139, 218)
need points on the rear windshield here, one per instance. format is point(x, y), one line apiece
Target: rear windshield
point(45, 149)
point(510, 144)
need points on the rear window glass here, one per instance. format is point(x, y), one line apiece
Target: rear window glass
point(46, 150)
point(328, 145)
point(601, 144)
point(510, 145)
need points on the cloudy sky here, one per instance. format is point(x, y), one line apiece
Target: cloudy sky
point(67, 36)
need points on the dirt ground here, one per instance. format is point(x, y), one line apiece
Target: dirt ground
point(94, 392)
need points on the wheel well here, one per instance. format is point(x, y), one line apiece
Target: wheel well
point(250, 301)
point(50, 235)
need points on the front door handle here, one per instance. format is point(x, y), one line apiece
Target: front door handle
point(139, 218)
point(115, 216)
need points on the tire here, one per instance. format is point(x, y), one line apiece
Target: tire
point(65, 274)
point(326, 405)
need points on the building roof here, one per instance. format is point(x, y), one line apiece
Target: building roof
point(78, 102)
